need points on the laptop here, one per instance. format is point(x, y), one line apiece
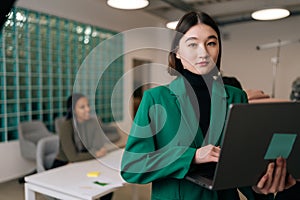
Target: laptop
point(254, 135)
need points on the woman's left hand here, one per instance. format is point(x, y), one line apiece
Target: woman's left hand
point(275, 179)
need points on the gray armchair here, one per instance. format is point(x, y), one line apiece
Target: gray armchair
point(58, 122)
point(30, 132)
point(47, 149)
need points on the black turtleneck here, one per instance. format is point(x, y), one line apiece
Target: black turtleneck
point(203, 101)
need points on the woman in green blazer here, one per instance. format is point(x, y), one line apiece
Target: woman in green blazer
point(179, 126)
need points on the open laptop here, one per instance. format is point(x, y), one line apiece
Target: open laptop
point(255, 134)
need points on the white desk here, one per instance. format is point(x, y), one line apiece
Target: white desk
point(70, 182)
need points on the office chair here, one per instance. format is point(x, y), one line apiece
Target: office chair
point(47, 149)
point(30, 133)
point(57, 122)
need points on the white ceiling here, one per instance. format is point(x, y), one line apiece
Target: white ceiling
point(223, 11)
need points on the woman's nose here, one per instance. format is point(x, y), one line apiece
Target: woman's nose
point(202, 53)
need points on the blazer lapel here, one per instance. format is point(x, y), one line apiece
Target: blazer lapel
point(189, 123)
point(218, 114)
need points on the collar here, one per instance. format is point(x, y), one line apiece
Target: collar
point(177, 87)
point(218, 110)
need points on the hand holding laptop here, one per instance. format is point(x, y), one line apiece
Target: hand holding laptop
point(275, 179)
point(259, 148)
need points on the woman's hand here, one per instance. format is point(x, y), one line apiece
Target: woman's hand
point(101, 152)
point(209, 153)
point(275, 179)
point(256, 94)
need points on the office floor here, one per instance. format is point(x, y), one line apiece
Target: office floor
point(12, 190)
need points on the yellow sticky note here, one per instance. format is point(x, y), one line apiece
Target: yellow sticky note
point(93, 174)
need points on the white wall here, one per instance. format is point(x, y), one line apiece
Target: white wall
point(254, 68)
point(240, 58)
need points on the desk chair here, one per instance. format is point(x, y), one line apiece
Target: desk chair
point(47, 149)
point(57, 122)
point(30, 132)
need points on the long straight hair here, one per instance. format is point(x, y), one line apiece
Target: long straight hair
point(71, 102)
point(185, 23)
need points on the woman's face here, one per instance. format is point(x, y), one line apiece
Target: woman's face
point(199, 49)
point(82, 109)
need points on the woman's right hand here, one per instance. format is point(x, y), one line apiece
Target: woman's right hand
point(209, 153)
point(101, 152)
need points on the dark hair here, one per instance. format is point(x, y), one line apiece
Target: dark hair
point(295, 94)
point(230, 80)
point(71, 102)
point(185, 23)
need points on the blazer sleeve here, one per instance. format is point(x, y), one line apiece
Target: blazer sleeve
point(97, 135)
point(68, 146)
point(142, 161)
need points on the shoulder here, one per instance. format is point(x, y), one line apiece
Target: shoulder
point(158, 94)
point(236, 94)
point(66, 129)
point(67, 121)
point(163, 89)
point(233, 90)
point(67, 124)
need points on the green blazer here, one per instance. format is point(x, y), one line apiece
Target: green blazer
point(164, 138)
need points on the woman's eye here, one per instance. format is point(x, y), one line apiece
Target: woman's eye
point(211, 44)
point(192, 45)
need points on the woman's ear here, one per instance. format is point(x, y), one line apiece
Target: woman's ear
point(176, 51)
point(177, 54)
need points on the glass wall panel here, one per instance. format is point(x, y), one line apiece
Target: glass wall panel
point(40, 55)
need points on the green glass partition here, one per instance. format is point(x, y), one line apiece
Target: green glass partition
point(40, 55)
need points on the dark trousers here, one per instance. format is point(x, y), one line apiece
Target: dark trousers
point(292, 193)
point(107, 196)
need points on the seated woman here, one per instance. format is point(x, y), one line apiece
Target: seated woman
point(80, 137)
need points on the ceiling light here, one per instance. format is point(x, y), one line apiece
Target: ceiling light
point(270, 14)
point(128, 4)
point(172, 25)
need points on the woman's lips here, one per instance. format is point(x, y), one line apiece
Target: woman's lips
point(202, 63)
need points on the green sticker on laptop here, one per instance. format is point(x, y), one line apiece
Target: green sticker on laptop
point(281, 145)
